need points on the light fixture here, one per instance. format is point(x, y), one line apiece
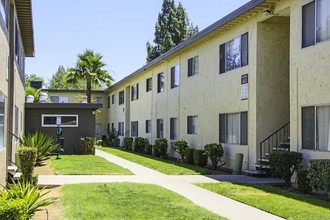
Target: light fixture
point(267, 12)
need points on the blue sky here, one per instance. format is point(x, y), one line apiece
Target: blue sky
point(118, 30)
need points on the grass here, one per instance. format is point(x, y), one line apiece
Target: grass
point(275, 200)
point(164, 166)
point(128, 201)
point(85, 165)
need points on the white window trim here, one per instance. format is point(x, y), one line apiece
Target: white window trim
point(64, 126)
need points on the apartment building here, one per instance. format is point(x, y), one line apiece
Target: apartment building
point(16, 43)
point(254, 80)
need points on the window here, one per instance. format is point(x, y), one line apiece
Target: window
point(148, 126)
point(121, 97)
point(112, 126)
point(315, 22)
point(2, 120)
point(113, 99)
point(16, 119)
point(175, 76)
point(173, 128)
point(121, 128)
point(135, 92)
point(316, 128)
point(3, 10)
point(193, 66)
point(98, 129)
point(192, 124)
point(234, 53)
point(63, 120)
point(108, 101)
point(149, 84)
point(134, 129)
point(98, 100)
point(160, 82)
point(160, 128)
point(59, 99)
point(233, 128)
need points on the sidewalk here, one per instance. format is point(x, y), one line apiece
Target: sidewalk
point(182, 185)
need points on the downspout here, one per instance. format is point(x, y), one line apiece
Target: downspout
point(11, 80)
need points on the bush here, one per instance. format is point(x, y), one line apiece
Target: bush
point(214, 152)
point(99, 142)
point(303, 181)
point(200, 158)
point(128, 142)
point(160, 148)
point(113, 138)
point(13, 209)
point(31, 195)
point(140, 144)
point(27, 160)
point(148, 149)
point(189, 156)
point(319, 174)
point(180, 147)
point(284, 164)
point(88, 145)
point(43, 144)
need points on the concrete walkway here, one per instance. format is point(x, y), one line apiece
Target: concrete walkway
point(182, 185)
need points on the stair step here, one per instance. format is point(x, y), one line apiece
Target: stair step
point(255, 172)
point(12, 169)
point(17, 176)
point(264, 160)
point(281, 149)
point(263, 166)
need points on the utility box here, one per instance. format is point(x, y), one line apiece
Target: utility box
point(238, 164)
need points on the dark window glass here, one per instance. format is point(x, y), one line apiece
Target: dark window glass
point(108, 101)
point(173, 128)
point(222, 130)
point(113, 99)
point(244, 49)
point(148, 126)
point(149, 84)
point(134, 129)
point(308, 24)
point(308, 128)
point(121, 97)
point(222, 59)
point(160, 128)
point(160, 82)
point(244, 128)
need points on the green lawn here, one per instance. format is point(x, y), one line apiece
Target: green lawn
point(85, 165)
point(164, 166)
point(128, 201)
point(275, 200)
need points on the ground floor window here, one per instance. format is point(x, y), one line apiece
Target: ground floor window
point(98, 129)
point(192, 125)
point(2, 120)
point(160, 128)
point(233, 128)
point(134, 129)
point(174, 128)
point(316, 128)
point(62, 120)
point(120, 128)
point(148, 126)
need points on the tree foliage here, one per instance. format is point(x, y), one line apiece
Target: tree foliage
point(172, 28)
point(33, 77)
point(89, 69)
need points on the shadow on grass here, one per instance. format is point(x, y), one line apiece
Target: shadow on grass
point(291, 193)
point(172, 161)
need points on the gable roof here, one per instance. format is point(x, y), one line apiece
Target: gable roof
point(241, 14)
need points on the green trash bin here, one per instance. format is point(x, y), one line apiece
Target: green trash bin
point(238, 164)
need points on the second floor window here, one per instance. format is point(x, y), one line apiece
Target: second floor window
point(175, 76)
point(193, 66)
point(149, 84)
point(135, 92)
point(121, 97)
point(160, 82)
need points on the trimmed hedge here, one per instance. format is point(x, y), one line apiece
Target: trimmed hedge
point(214, 152)
point(284, 164)
point(148, 149)
point(200, 158)
point(139, 144)
point(128, 142)
point(319, 174)
point(189, 156)
point(303, 181)
point(180, 147)
point(13, 209)
point(27, 160)
point(160, 148)
point(88, 145)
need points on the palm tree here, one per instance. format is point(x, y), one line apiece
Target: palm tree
point(89, 68)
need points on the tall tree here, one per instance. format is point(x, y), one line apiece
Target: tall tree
point(89, 68)
point(33, 77)
point(172, 28)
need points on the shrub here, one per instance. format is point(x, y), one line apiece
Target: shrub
point(31, 195)
point(214, 152)
point(113, 138)
point(160, 148)
point(128, 142)
point(42, 143)
point(88, 145)
point(13, 209)
point(27, 160)
point(180, 147)
point(200, 158)
point(319, 174)
point(140, 144)
point(303, 181)
point(148, 149)
point(284, 164)
point(189, 156)
point(99, 142)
